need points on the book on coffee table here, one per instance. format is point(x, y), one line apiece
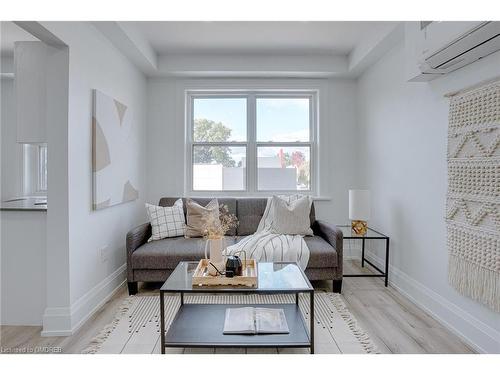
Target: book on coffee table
point(254, 320)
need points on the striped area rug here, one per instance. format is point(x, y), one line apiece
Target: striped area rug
point(135, 328)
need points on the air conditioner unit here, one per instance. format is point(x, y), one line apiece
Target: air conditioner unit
point(447, 46)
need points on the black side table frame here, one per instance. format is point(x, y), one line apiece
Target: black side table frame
point(380, 236)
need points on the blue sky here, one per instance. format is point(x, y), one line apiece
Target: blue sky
point(278, 119)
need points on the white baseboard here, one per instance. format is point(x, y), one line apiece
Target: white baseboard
point(479, 336)
point(352, 257)
point(56, 321)
point(62, 321)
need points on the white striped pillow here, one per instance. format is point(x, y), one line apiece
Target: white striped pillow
point(292, 217)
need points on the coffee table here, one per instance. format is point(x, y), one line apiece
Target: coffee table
point(201, 325)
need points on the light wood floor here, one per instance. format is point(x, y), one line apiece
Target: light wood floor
point(392, 321)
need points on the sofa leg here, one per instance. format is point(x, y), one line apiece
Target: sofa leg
point(337, 286)
point(132, 288)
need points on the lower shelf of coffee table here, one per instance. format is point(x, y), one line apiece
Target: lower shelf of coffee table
point(200, 325)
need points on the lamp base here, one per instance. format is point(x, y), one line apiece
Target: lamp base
point(359, 227)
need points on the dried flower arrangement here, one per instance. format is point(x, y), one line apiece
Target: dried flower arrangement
point(216, 229)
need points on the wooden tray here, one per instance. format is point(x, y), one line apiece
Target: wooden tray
point(248, 279)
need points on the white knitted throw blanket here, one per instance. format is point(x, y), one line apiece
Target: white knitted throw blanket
point(473, 199)
point(265, 245)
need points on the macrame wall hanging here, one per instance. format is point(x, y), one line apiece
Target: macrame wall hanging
point(473, 198)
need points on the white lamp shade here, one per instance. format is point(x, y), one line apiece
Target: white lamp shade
point(359, 205)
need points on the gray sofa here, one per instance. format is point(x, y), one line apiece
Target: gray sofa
point(154, 261)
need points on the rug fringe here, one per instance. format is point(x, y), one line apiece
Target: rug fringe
point(474, 281)
point(101, 337)
point(363, 338)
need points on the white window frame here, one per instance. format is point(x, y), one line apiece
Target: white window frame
point(32, 171)
point(39, 171)
point(251, 144)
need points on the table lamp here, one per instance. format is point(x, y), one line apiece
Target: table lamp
point(359, 210)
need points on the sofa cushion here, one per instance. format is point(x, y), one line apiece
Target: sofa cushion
point(166, 221)
point(322, 254)
point(291, 215)
point(167, 253)
point(198, 217)
point(250, 211)
point(229, 202)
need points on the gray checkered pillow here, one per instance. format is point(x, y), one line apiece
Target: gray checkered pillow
point(166, 221)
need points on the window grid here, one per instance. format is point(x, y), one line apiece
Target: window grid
point(251, 144)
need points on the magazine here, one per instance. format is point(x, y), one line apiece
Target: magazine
point(254, 320)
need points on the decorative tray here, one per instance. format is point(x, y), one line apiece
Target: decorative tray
point(248, 279)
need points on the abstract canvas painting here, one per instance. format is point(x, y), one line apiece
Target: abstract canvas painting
point(113, 161)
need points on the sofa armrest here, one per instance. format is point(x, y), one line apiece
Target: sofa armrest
point(135, 238)
point(333, 235)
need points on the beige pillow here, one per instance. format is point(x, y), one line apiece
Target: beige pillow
point(293, 217)
point(198, 217)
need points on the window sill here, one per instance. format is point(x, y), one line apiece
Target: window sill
point(316, 198)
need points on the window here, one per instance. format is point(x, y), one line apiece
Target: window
point(35, 169)
point(251, 141)
point(219, 143)
point(283, 147)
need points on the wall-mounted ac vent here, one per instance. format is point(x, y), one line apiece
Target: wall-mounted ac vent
point(449, 46)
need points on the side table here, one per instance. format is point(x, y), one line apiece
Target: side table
point(371, 234)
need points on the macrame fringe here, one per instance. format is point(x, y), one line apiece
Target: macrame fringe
point(98, 340)
point(363, 338)
point(475, 282)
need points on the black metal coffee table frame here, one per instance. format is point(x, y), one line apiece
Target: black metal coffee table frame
point(200, 325)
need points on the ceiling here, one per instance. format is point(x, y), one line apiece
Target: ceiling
point(10, 33)
point(236, 49)
point(333, 37)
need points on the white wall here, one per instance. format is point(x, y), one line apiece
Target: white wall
point(11, 151)
point(26, 260)
point(23, 268)
point(7, 64)
point(57, 313)
point(337, 134)
point(94, 63)
point(403, 134)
